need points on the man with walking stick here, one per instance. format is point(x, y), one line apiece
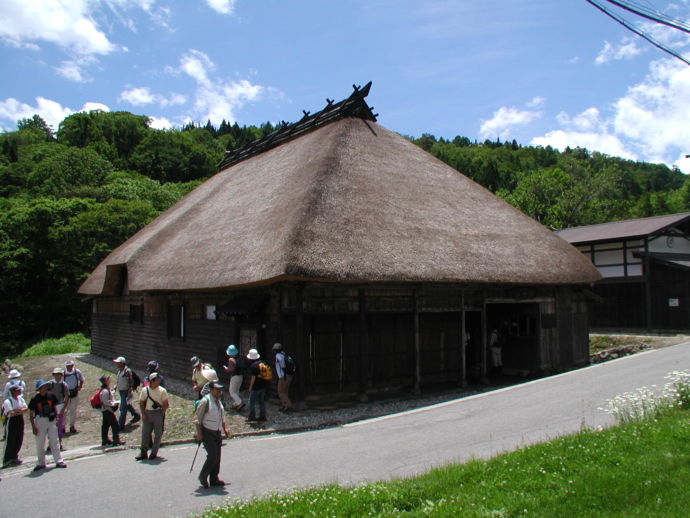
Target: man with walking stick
point(209, 421)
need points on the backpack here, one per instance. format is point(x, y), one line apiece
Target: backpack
point(95, 400)
point(290, 365)
point(136, 380)
point(265, 372)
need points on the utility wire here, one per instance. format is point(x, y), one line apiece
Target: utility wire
point(637, 31)
point(650, 15)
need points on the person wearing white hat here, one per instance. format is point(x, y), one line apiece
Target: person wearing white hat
point(14, 409)
point(61, 391)
point(257, 385)
point(14, 377)
point(14, 380)
point(75, 382)
point(43, 424)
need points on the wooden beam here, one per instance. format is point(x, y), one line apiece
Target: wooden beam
point(363, 347)
point(417, 345)
point(301, 350)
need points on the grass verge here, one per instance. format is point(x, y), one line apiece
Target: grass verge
point(639, 469)
point(73, 343)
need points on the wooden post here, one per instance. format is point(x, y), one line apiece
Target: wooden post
point(363, 347)
point(484, 353)
point(463, 349)
point(417, 346)
point(300, 348)
point(647, 287)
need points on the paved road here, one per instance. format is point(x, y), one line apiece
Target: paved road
point(481, 426)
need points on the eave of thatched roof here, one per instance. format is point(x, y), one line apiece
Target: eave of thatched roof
point(350, 201)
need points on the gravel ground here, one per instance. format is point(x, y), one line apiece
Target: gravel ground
point(179, 421)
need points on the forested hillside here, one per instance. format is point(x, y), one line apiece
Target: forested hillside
point(69, 197)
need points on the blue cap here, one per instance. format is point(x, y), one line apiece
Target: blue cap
point(232, 350)
point(40, 383)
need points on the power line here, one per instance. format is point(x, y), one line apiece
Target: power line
point(636, 30)
point(655, 16)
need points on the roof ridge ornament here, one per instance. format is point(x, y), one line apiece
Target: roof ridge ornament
point(353, 106)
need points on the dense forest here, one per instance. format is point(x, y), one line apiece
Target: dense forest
point(68, 197)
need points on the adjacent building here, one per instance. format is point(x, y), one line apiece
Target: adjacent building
point(645, 264)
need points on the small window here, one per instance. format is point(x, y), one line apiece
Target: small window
point(209, 312)
point(136, 313)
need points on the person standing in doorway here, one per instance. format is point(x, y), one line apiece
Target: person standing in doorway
point(496, 351)
point(125, 386)
point(43, 418)
point(75, 382)
point(235, 368)
point(209, 422)
point(285, 372)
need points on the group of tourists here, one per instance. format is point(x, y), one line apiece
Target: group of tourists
point(53, 409)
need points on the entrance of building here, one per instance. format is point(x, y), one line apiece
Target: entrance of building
point(517, 325)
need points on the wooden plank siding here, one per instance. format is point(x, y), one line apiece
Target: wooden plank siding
point(354, 340)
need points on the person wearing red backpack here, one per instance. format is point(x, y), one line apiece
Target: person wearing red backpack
point(43, 414)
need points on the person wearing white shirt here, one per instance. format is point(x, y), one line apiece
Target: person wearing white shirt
point(14, 408)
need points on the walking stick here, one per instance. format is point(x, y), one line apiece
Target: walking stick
point(194, 460)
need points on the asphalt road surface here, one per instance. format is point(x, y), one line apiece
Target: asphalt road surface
point(399, 445)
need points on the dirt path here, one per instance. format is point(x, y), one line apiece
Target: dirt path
point(178, 424)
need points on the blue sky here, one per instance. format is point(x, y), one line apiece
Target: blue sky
point(542, 72)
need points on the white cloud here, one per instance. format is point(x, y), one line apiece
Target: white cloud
point(537, 102)
point(50, 111)
point(143, 95)
point(627, 49)
point(215, 99)
point(66, 23)
point(650, 122)
point(602, 142)
point(503, 121)
point(222, 6)
point(160, 123)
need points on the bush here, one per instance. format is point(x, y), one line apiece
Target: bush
point(73, 343)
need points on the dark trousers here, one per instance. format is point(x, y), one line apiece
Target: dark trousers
point(109, 422)
point(15, 438)
point(212, 441)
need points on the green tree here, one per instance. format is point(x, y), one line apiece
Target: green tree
point(67, 172)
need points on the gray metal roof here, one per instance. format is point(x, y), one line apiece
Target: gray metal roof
point(627, 229)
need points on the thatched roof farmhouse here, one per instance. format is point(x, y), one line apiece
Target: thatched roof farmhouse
point(374, 263)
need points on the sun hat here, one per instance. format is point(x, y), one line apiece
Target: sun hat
point(14, 373)
point(69, 363)
point(195, 361)
point(120, 359)
point(253, 354)
point(40, 383)
point(152, 366)
point(153, 376)
point(58, 370)
point(215, 384)
point(277, 346)
point(231, 350)
point(16, 387)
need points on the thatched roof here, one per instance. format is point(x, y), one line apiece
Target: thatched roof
point(349, 201)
